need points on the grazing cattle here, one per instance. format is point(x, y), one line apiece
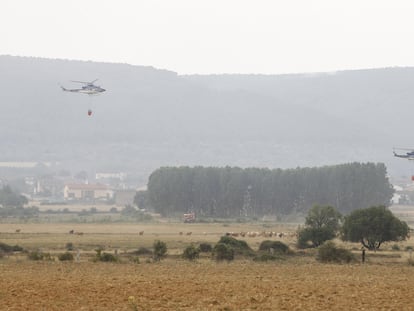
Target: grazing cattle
point(79, 233)
point(189, 233)
point(18, 230)
point(252, 234)
point(72, 231)
point(141, 233)
point(234, 234)
point(181, 233)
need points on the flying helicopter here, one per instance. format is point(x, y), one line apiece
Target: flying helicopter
point(88, 88)
point(408, 155)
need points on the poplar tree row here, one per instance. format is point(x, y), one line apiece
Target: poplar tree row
point(254, 192)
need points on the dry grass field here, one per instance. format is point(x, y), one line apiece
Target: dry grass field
point(384, 282)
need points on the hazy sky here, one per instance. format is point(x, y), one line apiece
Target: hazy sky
point(214, 36)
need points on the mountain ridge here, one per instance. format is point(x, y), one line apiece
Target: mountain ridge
point(150, 117)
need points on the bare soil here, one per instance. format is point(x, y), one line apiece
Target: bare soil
point(384, 282)
point(205, 285)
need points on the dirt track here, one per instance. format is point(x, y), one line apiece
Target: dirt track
point(179, 285)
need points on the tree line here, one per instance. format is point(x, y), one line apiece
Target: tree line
point(254, 192)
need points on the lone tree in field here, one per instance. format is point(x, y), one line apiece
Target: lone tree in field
point(322, 224)
point(373, 226)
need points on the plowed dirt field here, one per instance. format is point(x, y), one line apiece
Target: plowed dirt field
point(204, 285)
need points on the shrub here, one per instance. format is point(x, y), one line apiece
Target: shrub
point(223, 251)
point(66, 257)
point(205, 247)
point(277, 246)
point(329, 252)
point(408, 248)
point(143, 251)
point(37, 255)
point(160, 250)
point(8, 248)
point(191, 253)
point(107, 257)
point(104, 257)
point(238, 246)
point(135, 259)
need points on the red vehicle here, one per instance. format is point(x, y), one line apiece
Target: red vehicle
point(190, 217)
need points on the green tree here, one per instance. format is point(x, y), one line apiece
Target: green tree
point(8, 198)
point(373, 226)
point(222, 192)
point(323, 217)
point(322, 224)
point(141, 199)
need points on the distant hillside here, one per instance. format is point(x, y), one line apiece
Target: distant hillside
point(150, 118)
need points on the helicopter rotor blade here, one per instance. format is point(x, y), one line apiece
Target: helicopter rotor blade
point(84, 82)
point(408, 149)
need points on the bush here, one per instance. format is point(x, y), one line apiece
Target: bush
point(135, 259)
point(223, 251)
point(329, 252)
point(66, 257)
point(205, 247)
point(105, 257)
point(160, 250)
point(238, 246)
point(143, 251)
point(37, 255)
point(277, 246)
point(8, 248)
point(408, 248)
point(191, 253)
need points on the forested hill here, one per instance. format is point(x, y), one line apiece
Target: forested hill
point(150, 118)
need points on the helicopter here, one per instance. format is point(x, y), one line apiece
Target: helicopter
point(408, 155)
point(88, 88)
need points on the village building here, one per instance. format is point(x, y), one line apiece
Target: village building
point(87, 192)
